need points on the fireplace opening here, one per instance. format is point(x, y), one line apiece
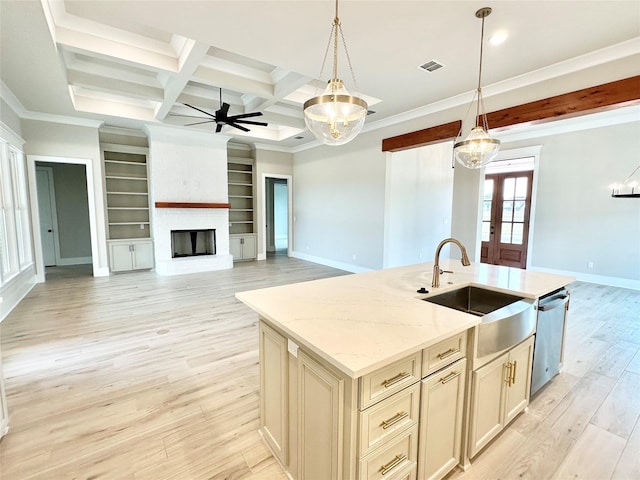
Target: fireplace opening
point(193, 243)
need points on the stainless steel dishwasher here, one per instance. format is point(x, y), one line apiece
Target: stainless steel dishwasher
point(550, 331)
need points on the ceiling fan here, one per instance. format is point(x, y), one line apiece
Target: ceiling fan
point(221, 117)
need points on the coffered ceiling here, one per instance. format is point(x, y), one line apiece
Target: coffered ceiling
point(133, 62)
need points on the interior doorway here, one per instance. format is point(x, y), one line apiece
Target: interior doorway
point(505, 218)
point(48, 215)
point(277, 215)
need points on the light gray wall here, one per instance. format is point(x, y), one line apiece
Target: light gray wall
point(576, 219)
point(274, 163)
point(339, 204)
point(419, 203)
point(72, 208)
point(74, 142)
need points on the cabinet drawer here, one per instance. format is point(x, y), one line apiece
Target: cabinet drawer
point(388, 418)
point(393, 461)
point(444, 353)
point(389, 380)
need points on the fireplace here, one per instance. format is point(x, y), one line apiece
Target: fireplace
point(193, 243)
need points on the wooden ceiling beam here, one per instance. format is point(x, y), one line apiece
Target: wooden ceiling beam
point(608, 96)
point(420, 138)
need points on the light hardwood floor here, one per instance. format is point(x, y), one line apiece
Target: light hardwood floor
point(137, 376)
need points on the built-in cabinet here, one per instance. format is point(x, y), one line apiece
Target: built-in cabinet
point(402, 421)
point(243, 246)
point(126, 255)
point(499, 391)
point(127, 201)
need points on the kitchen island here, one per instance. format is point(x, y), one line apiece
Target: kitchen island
point(361, 378)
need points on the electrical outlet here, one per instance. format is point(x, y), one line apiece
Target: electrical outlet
point(590, 265)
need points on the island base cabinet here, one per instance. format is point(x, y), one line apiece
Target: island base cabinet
point(442, 409)
point(320, 421)
point(274, 394)
point(500, 391)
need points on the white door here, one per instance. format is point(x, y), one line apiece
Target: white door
point(46, 205)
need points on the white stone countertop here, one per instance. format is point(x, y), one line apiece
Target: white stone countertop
point(361, 322)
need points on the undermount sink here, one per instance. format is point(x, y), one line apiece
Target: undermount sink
point(505, 319)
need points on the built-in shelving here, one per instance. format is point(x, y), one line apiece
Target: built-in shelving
point(127, 192)
point(241, 196)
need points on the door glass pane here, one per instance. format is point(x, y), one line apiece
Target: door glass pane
point(486, 211)
point(505, 235)
point(521, 188)
point(488, 188)
point(518, 229)
point(518, 214)
point(486, 231)
point(507, 211)
point(508, 190)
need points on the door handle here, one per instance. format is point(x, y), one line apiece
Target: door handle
point(49, 230)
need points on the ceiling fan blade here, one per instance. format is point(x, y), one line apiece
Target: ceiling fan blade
point(219, 128)
point(200, 110)
point(188, 116)
point(239, 127)
point(224, 110)
point(245, 115)
point(251, 122)
point(199, 123)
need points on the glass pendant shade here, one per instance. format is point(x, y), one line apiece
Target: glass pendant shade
point(335, 117)
point(477, 150)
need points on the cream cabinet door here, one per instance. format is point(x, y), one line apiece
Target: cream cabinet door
point(441, 408)
point(320, 421)
point(235, 247)
point(519, 371)
point(274, 392)
point(142, 253)
point(249, 247)
point(487, 407)
point(120, 257)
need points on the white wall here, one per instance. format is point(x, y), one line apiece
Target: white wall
point(419, 203)
point(188, 166)
point(577, 221)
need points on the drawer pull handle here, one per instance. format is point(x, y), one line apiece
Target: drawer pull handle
point(393, 420)
point(448, 353)
point(396, 379)
point(450, 377)
point(392, 464)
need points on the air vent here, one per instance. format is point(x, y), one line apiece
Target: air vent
point(370, 112)
point(298, 138)
point(431, 66)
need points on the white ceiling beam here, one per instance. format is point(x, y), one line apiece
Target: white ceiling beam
point(114, 85)
point(190, 57)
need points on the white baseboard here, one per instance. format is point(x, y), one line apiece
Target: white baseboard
point(74, 261)
point(347, 267)
point(590, 278)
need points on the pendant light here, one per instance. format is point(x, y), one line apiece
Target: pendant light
point(335, 117)
point(478, 149)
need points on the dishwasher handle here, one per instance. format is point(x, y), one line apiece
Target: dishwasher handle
point(557, 302)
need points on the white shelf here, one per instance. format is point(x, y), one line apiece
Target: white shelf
point(121, 177)
point(125, 162)
point(127, 193)
point(128, 208)
point(129, 223)
point(241, 196)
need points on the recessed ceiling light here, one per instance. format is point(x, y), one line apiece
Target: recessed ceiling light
point(498, 37)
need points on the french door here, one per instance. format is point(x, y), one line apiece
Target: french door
point(505, 218)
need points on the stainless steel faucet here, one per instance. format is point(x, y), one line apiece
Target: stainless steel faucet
point(436, 267)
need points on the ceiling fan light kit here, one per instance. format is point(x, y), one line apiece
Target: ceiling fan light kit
point(335, 117)
point(478, 149)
